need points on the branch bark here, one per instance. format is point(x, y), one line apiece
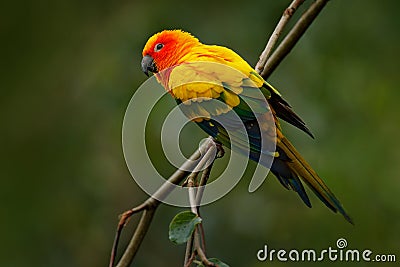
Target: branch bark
point(293, 37)
point(150, 205)
point(287, 15)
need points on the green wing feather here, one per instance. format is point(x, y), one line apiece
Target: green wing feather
point(242, 97)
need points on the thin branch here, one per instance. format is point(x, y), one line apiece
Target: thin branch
point(150, 205)
point(191, 259)
point(195, 199)
point(192, 194)
point(191, 245)
point(203, 181)
point(122, 222)
point(137, 237)
point(189, 256)
point(293, 37)
point(286, 16)
point(200, 251)
point(196, 243)
point(202, 236)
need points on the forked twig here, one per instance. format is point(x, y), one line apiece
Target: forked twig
point(200, 251)
point(293, 37)
point(122, 222)
point(286, 16)
point(148, 207)
point(137, 237)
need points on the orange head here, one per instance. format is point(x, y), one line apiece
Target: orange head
point(165, 49)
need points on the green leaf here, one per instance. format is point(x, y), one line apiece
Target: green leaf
point(216, 261)
point(182, 226)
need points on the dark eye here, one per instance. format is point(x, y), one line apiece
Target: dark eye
point(158, 47)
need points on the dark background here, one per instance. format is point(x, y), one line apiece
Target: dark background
point(69, 69)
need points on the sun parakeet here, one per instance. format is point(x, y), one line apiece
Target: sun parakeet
point(166, 51)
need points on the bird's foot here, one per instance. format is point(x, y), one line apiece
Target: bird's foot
point(220, 149)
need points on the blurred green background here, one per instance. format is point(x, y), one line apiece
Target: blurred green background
point(69, 69)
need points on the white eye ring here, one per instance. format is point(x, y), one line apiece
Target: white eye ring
point(158, 47)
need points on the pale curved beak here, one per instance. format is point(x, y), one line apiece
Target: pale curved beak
point(148, 65)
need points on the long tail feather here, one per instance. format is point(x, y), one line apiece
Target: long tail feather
point(299, 166)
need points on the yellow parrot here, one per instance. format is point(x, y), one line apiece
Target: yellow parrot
point(171, 50)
